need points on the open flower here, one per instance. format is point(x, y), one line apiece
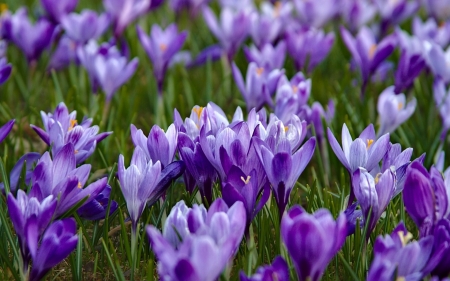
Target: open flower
point(123, 12)
point(278, 270)
point(57, 9)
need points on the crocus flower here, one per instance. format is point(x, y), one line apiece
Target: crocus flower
point(442, 101)
point(97, 208)
point(30, 160)
point(315, 114)
point(430, 30)
point(62, 127)
point(397, 160)
point(206, 240)
point(373, 194)
point(123, 12)
point(30, 217)
point(237, 4)
point(395, 12)
point(316, 13)
point(138, 183)
point(393, 110)
point(264, 29)
point(412, 61)
point(439, 9)
point(269, 57)
point(5, 129)
point(425, 197)
point(159, 145)
point(31, 39)
point(231, 30)
point(109, 70)
point(396, 257)
point(61, 178)
point(367, 53)
point(84, 26)
point(441, 249)
point(57, 9)
point(438, 61)
point(194, 6)
point(161, 47)
point(308, 46)
point(291, 96)
point(312, 240)
point(58, 241)
point(259, 85)
point(5, 70)
point(357, 13)
point(278, 270)
point(65, 54)
point(283, 167)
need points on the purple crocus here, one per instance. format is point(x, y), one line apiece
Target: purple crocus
point(65, 54)
point(269, 57)
point(57, 9)
point(373, 194)
point(396, 257)
point(393, 110)
point(123, 12)
point(425, 197)
point(357, 13)
point(109, 70)
point(441, 251)
point(308, 46)
point(31, 39)
point(30, 160)
point(439, 9)
point(312, 240)
point(367, 53)
point(161, 47)
point(196, 244)
point(58, 241)
point(394, 12)
point(264, 29)
point(62, 127)
point(5, 67)
point(138, 183)
point(431, 31)
point(194, 6)
point(97, 208)
point(61, 178)
point(259, 85)
point(30, 217)
point(159, 145)
point(278, 270)
point(5, 129)
point(315, 114)
point(291, 96)
point(84, 26)
point(231, 30)
point(316, 13)
point(397, 160)
point(412, 61)
point(438, 61)
point(442, 101)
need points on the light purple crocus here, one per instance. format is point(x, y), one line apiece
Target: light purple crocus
point(367, 53)
point(439, 9)
point(291, 96)
point(278, 271)
point(108, 70)
point(312, 240)
point(264, 29)
point(373, 194)
point(395, 12)
point(161, 47)
point(259, 85)
point(123, 12)
point(31, 39)
point(231, 30)
point(30, 217)
point(393, 110)
point(411, 63)
point(61, 178)
point(431, 31)
point(57, 9)
point(5, 129)
point(425, 197)
point(198, 244)
point(84, 26)
point(269, 57)
point(65, 54)
point(308, 46)
point(316, 13)
point(58, 241)
point(396, 257)
point(315, 114)
point(398, 161)
point(442, 101)
point(159, 145)
point(138, 183)
point(357, 13)
point(62, 127)
point(438, 61)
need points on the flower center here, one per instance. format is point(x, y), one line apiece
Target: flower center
point(73, 122)
point(259, 71)
point(198, 111)
point(405, 238)
point(372, 50)
point(369, 143)
point(277, 9)
point(400, 105)
point(247, 180)
point(163, 47)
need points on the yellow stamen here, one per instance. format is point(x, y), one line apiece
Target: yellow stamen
point(286, 128)
point(372, 50)
point(73, 122)
point(163, 47)
point(377, 178)
point(198, 110)
point(246, 181)
point(405, 238)
point(277, 8)
point(369, 143)
point(3, 8)
point(259, 71)
point(79, 185)
point(400, 278)
point(400, 106)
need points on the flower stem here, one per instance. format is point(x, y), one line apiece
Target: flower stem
point(134, 238)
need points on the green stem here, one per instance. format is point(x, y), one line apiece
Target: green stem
point(134, 238)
